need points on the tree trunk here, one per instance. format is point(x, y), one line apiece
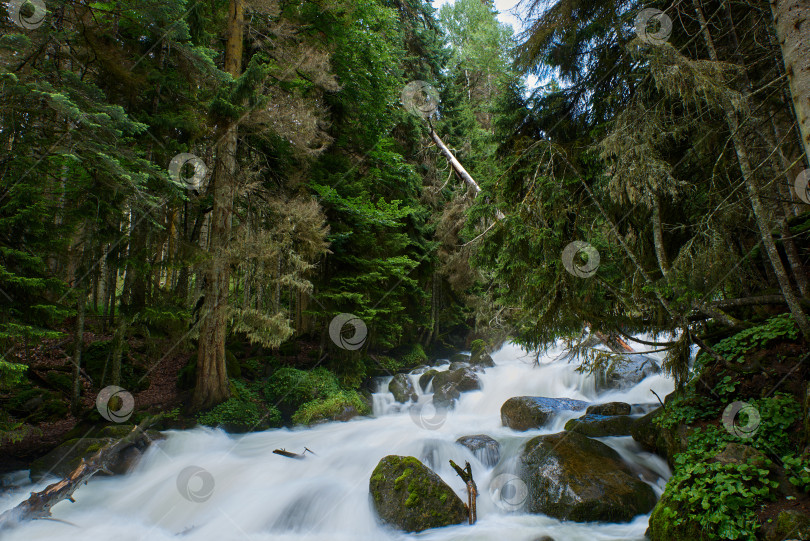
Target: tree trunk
point(753, 192)
point(658, 238)
point(791, 20)
point(212, 380)
point(81, 293)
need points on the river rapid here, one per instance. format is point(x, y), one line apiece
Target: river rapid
point(206, 485)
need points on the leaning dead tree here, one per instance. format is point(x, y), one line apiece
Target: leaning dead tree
point(472, 490)
point(458, 168)
point(39, 504)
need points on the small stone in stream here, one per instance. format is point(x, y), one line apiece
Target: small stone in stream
point(527, 412)
point(425, 378)
point(402, 389)
point(458, 366)
point(485, 449)
point(409, 496)
point(610, 408)
point(599, 426)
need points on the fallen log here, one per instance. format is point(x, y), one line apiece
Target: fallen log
point(289, 454)
point(39, 504)
point(472, 490)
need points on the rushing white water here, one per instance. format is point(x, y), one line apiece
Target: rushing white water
point(247, 492)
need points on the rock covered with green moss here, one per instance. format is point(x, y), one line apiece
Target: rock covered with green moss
point(572, 477)
point(409, 496)
point(599, 426)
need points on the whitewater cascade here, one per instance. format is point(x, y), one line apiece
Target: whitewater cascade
point(204, 484)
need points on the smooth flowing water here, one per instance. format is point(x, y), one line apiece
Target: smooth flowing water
point(204, 484)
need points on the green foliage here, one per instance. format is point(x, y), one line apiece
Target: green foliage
point(290, 388)
point(798, 469)
point(327, 409)
point(722, 498)
point(685, 407)
point(243, 412)
point(735, 347)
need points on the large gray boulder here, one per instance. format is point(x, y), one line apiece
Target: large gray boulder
point(625, 371)
point(572, 477)
point(409, 496)
point(527, 412)
point(485, 449)
point(402, 389)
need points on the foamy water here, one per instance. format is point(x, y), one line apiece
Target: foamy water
point(244, 491)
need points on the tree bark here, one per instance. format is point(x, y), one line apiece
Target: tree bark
point(791, 19)
point(753, 193)
point(75, 395)
point(212, 379)
point(658, 239)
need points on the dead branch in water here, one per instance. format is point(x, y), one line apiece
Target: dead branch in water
point(472, 490)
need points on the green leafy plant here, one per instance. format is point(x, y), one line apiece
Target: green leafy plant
point(798, 470)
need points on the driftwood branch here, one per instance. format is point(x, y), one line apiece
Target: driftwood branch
point(472, 490)
point(39, 504)
point(289, 454)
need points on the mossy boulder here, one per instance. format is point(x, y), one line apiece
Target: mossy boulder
point(610, 408)
point(402, 388)
point(479, 355)
point(788, 524)
point(527, 412)
point(572, 477)
point(485, 449)
point(669, 521)
point(598, 426)
point(409, 496)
